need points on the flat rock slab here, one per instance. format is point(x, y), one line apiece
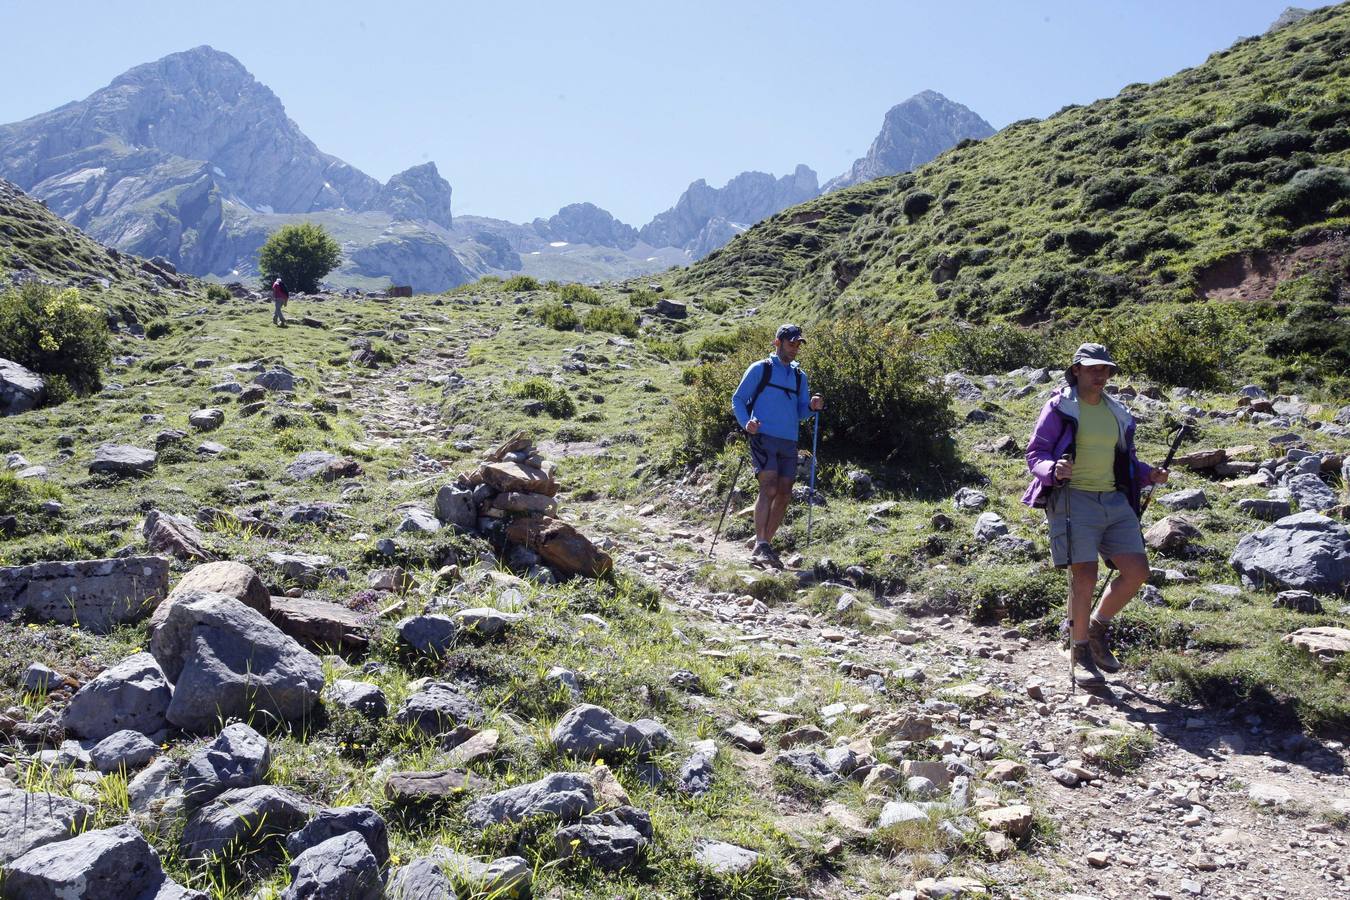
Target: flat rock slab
point(513, 476)
point(119, 459)
point(1326, 642)
point(99, 594)
point(412, 788)
point(320, 624)
point(566, 795)
point(29, 820)
point(1014, 821)
point(723, 858)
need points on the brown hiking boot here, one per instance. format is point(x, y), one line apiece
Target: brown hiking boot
point(1085, 671)
point(1099, 641)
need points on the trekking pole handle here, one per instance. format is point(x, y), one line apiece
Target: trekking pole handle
point(1166, 464)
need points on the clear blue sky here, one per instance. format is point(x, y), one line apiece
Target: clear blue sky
point(526, 106)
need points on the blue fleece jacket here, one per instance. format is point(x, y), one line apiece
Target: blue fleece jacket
point(780, 407)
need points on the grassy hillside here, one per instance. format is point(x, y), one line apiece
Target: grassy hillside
point(1148, 196)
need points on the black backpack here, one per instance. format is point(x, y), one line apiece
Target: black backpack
point(765, 376)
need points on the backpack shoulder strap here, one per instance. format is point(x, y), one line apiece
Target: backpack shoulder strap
point(765, 375)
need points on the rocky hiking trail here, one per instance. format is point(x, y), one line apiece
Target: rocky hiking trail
point(1138, 796)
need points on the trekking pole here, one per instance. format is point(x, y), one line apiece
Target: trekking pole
point(1068, 606)
point(731, 490)
point(811, 491)
point(1143, 507)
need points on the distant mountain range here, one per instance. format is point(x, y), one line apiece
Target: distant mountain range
point(191, 159)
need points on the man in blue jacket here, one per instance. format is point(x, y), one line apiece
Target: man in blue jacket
point(769, 404)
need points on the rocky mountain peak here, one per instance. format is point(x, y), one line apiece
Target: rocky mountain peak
point(913, 133)
point(586, 223)
point(742, 201)
point(418, 193)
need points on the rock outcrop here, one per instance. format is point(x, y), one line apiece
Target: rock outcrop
point(740, 203)
point(913, 133)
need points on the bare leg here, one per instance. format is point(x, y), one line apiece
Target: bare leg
point(782, 497)
point(1133, 573)
point(768, 491)
point(1082, 584)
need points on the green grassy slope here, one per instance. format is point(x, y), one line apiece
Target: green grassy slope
point(1133, 198)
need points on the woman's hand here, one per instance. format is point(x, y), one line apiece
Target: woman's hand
point(1158, 476)
point(1063, 469)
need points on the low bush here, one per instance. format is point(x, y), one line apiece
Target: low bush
point(669, 350)
point(1192, 346)
point(217, 293)
point(715, 305)
point(612, 319)
point(520, 283)
point(557, 402)
point(991, 349)
point(1310, 195)
point(55, 334)
point(557, 316)
point(22, 498)
point(1110, 191)
point(1314, 328)
point(577, 293)
point(877, 380)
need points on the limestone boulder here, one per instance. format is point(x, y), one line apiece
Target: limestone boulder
point(234, 579)
point(519, 477)
point(32, 820)
point(107, 864)
point(20, 389)
point(561, 546)
point(565, 795)
point(98, 594)
point(254, 819)
point(1305, 551)
point(176, 536)
point(134, 694)
point(227, 661)
point(239, 757)
point(338, 820)
point(340, 868)
point(589, 731)
point(122, 460)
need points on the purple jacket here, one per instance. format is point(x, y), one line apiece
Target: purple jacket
point(1054, 436)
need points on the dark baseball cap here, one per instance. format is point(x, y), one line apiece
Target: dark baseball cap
point(789, 332)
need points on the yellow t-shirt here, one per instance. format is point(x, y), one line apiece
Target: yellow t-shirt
point(1095, 448)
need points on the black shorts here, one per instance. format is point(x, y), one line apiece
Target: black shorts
point(774, 454)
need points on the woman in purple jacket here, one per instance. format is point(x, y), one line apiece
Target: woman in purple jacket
point(1087, 478)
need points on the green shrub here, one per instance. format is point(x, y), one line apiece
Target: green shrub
point(1309, 195)
point(578, 293)
point(642, 299)
point(612, 319)
point(23, 498)
point(557, 402)
point(1110, 191)
point(878, 384)
point(916, 203)
point(1315, 328)
point(157, 329)
point(715, 345)
point(715, 305)
point(520, 283)
point(1192, 346)
point(300, 254)
point(217, 293)
point(669, 350)
point(557, 316)
point(54, 333)
point(991, 349)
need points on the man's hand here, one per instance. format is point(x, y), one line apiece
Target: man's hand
point(817, 403)
point(1063, 469)
point(752, 427)
point(1158, 476)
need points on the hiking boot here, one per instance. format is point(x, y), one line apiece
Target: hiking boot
point(1099, 641)
point(1085, 671)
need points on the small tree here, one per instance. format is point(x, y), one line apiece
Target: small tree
point(300, 254)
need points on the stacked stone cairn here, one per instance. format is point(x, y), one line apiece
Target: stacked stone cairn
point(511, 498)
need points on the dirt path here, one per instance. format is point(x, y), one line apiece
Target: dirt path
point(1216, 808)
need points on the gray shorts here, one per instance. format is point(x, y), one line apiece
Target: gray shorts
point(1088, 524)
point(773, 454)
